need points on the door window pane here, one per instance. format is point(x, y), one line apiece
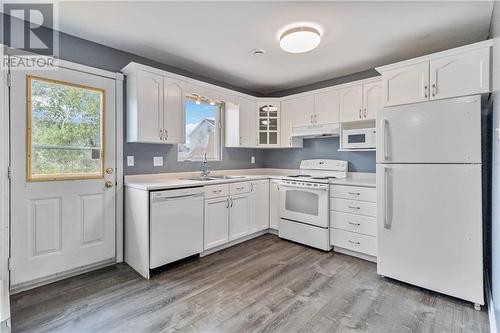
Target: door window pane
point(65, 130)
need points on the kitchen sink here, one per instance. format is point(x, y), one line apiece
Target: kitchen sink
point(201, 178)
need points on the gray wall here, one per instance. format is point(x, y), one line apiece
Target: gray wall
point(319, 148)
point(495, 222)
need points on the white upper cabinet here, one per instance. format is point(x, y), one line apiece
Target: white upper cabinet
point(407, 84)
point(286, 121)
point(173, 107)
point(457, 72)
point(372, 99)
point(327, 107)
point(241, 123)
point(351, 103)
point(460, 74)
point(155, 106)
point(302, 110)
point(268, 124)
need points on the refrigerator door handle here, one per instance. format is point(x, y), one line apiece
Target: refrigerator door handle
point(383, 124)
point(387, 221)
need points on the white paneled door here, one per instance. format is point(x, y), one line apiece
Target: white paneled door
point(63, 173)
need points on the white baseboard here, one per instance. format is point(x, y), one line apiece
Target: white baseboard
point(491, 308)
point(355, 254)
point(232, 243)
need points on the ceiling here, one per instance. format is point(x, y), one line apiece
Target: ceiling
point(215, 39)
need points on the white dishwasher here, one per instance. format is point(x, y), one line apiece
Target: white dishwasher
point(176, 225)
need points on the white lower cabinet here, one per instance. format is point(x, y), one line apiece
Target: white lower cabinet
point(227, 213)
point(216, 227)
point(274, 214)
point(353, 223)
point(259, 205)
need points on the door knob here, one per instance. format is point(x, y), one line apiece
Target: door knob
point(108, 184)
point(109, 171)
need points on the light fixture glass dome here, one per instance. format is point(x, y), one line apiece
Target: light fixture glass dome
point(300, 39)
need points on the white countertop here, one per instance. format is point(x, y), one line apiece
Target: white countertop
point(165, 181)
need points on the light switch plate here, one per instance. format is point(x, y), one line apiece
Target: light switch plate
point(252, 159)
point(130, 160)
point(158, 161)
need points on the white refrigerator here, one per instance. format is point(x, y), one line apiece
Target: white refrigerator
point(429, 190)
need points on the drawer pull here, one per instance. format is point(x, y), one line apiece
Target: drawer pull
point(354, 193)
point(356, 224)
point(240, 188)
point(354, 207)
point(353, 242)
point(217, 191)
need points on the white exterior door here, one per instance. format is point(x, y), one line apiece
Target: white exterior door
point(351, 103)
point(326, 107)
point(259, 201)
point(239, 216)
point(63, 173)
point(173, 111)
point(216, 222)
point(407, 84)
point(430, 227)
point(372, 99)
point(461, 74)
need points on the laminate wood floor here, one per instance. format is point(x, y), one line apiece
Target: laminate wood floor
point(263, 285)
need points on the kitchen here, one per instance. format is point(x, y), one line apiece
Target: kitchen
point(262, 199)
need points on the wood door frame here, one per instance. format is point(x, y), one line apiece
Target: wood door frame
point(119, 197)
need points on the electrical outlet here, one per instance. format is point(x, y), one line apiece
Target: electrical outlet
point(158, 161)
point(252, 159)
point(130, 160)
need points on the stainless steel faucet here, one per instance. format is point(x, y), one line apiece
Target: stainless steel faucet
point(205, 171)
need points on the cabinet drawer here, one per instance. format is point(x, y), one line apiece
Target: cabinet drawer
point(353, 241)
point(355, 223)
point(214, 191)
point(237, 188)
point(354, 206)
point(354, 192)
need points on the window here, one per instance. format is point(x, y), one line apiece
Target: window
point(203, 133)
point(64, 130)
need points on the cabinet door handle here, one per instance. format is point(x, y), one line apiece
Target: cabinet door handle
point(227, 203)
point(315, 118)
point(356, 224)
point(290, 141)
point(251, 189)
point(217, 191)
point(231, 202)
point(366, 113)
point(312, 119)
point(354, 207)
point(353, 242)
point(161, 134)
point(240, 188)
point(166, 135)
point(425, 91)
point(434, 90)
point(360, 114)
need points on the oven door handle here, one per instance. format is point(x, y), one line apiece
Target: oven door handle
point(305, 188)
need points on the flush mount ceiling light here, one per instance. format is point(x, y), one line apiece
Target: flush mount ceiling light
point(300, 39)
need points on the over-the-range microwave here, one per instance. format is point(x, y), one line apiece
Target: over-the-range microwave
point(360, 138)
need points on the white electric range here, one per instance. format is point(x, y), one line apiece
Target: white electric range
point(304, 202)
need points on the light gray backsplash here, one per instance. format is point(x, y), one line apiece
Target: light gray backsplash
point(363, 161)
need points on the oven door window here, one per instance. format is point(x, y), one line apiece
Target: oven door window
point(356, 138)
point(302, 202)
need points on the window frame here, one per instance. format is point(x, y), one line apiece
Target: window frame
point(218, 128)
point(62, 176)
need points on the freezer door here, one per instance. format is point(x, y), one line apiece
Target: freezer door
point(444, 131)
point(429, 223)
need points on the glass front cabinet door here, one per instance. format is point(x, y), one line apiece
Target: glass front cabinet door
point(269, 124)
